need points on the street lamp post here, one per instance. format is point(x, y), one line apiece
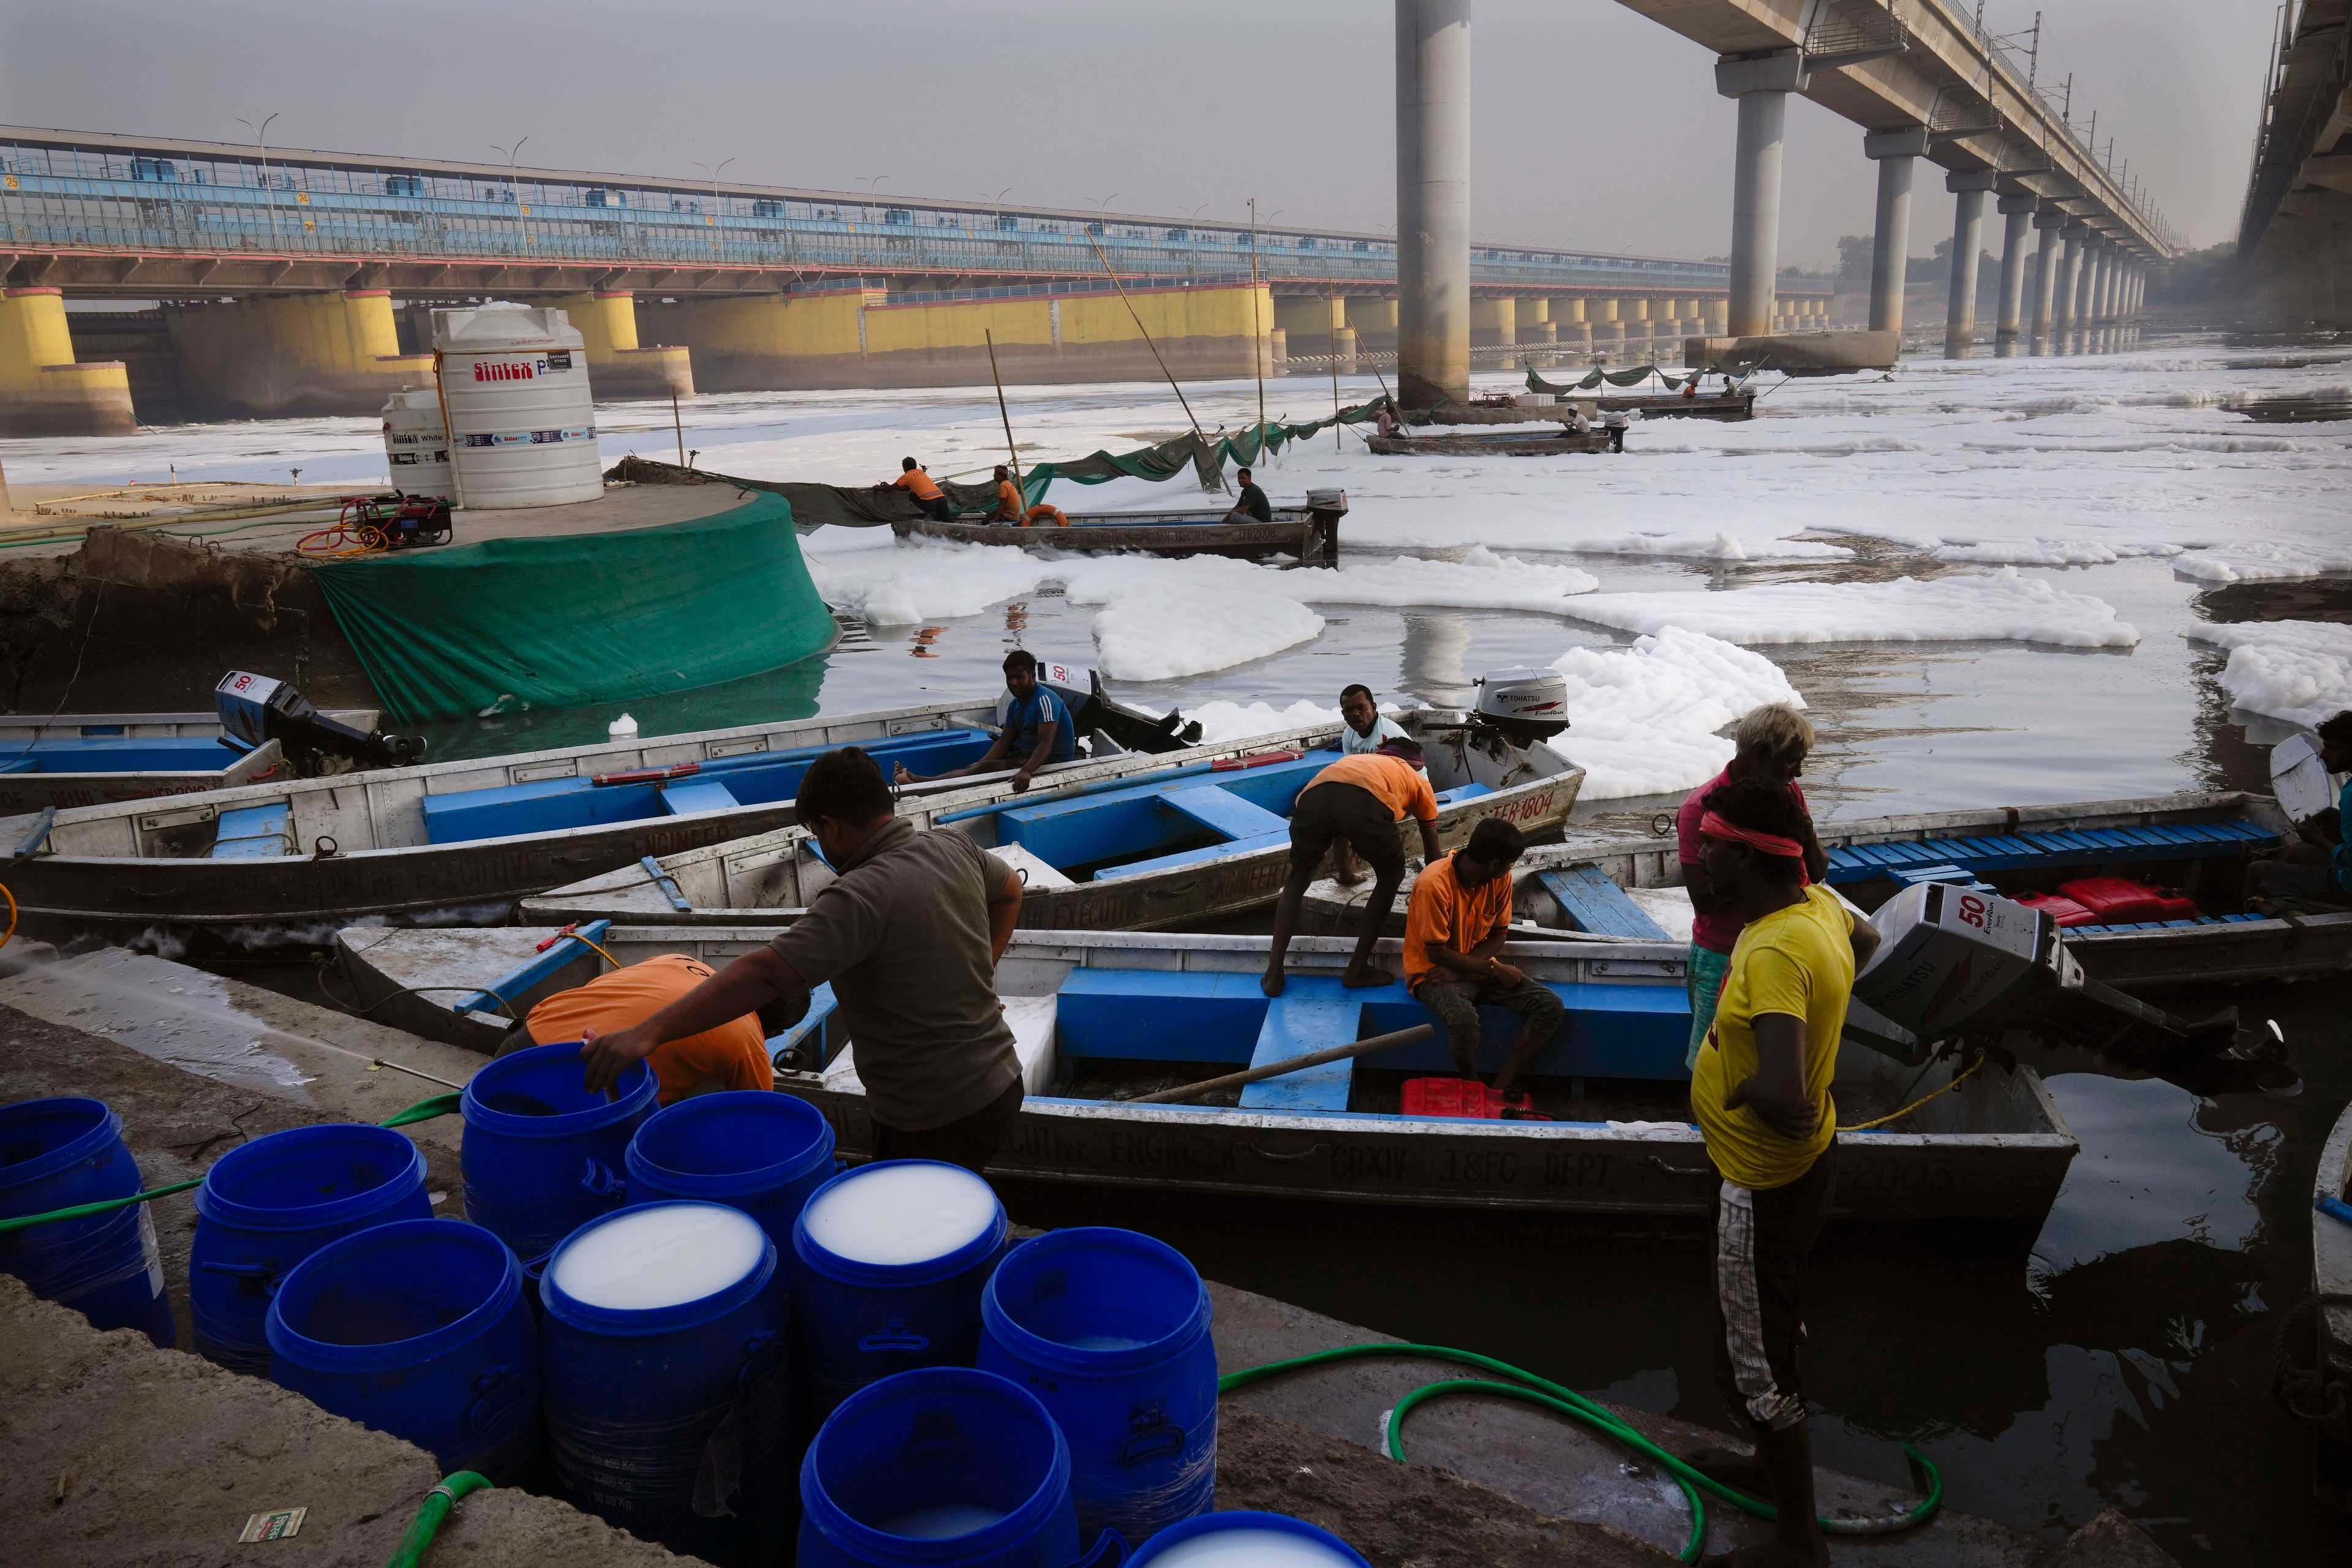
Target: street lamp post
point(717, 233)
point(261, 139)
point(514, 186)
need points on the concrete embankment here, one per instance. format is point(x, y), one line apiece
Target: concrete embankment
point(111, 1452)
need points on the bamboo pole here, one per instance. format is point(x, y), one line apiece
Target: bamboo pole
point(1331, 327)
point(1411, 1037)
point(1146, 332)
point(1257, 339)
point(1011, 450)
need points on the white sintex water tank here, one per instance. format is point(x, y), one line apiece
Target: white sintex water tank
point(522, 431)
point(417, 444)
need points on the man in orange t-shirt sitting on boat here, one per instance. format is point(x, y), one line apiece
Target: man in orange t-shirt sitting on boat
point(1455, 926)
point(732, 1056)
point(1361, 799)
point(926, 491)
point(1011, 505)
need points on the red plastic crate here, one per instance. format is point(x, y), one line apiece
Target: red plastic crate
point(1458, 1097)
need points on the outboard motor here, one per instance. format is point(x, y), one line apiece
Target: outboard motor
point(1525, 704)
point(257, 707)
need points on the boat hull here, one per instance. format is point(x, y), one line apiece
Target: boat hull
point(1512, 445)
point(1311, 536)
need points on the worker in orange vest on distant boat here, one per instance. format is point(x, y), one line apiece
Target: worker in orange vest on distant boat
point(1010, 506)
point(1361, 799)
point(732, 1054)
point(927, 493)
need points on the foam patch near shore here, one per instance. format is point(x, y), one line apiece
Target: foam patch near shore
point(1998, 606)
point(2300, 671)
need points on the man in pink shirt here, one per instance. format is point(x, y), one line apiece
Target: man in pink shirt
point(1772, 743)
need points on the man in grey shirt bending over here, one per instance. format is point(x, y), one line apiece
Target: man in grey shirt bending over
point(908, 934)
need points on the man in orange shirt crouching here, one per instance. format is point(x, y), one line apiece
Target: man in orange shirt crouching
point(1454, 927)
point(1361, 799)
point(925, 491)
point(732, 1056)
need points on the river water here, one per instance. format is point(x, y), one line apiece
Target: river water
point(2123, 1358)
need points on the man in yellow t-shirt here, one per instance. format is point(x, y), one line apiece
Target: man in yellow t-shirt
point(1762, 1096)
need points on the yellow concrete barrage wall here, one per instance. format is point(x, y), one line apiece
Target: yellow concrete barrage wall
point(43, 392)
point(618, 365)
point(281, 355)
point(1370, 315)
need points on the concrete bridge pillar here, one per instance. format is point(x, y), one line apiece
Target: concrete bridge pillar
point(1494, 323)
point(1762, 88)
point(2017, 215)
point(1608, 327)
point(1895, 153)
point(43, 392)
point(2052, 228)
point(1967, 188)
point(1433, 127)
point(2110, 272)
point(274, 356)
point(2070, 281)
point(1570, 329)
point(1537, 328)
point(1374, 321)
point(618, 368)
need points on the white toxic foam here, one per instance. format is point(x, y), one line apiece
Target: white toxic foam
point(894, 1214)
point(940, 1521)
point(1162, 632)
point(1644, 720)
point(1994, 606)
point(1704, 546)
point(661, 1255)
point(2298, 670)
point(1248, 1548)
point(1222, 720)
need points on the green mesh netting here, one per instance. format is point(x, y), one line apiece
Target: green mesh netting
point(1632, 376)
point(557, 623)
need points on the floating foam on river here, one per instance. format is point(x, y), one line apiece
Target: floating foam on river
point(665, 1254)
point(894, 1214)
point(2263, 561)
point(2298, 670)
point(1998, 607)
point(2050, 551)
point(1702, 546)
point(1644, 720)
point(1222, 720)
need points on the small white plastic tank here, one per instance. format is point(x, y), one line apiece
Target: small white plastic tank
point(522, 431)
point(417, 444)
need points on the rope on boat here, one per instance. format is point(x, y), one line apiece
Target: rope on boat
point(1957, 1078)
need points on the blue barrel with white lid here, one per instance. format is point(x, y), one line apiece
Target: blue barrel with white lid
point(542, 1156)
point(1110, 1329)
point(1243, 1538)
point(59, 1154)
point(416, 1327)
point(266, 1205)
point(662, 1357)
point(750, 1149)
point(891, 1257)
point(941, 1468)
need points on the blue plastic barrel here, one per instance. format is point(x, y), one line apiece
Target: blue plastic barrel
point(416, 1327)
point(870, 1300)
point(1110, 1329)
point(750, 1149)
point(1243, 1535)
point(667, 1407)
point(542, 1156)
point(944, 1468)
point(268, 1205)
point(56, 1153)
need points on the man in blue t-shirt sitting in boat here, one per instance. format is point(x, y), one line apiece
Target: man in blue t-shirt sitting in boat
point(1037, 729)
point(2319, 870)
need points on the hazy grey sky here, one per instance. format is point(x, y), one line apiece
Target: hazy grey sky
point(1594, 126)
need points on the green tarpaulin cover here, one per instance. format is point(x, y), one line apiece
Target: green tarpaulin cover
point(595, 617)
point(1632, 377)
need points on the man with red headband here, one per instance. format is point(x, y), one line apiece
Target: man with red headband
point(1761, 1097)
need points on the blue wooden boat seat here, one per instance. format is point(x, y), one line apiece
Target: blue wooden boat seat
point(1158, 1014)
point(24, 764)
point(1313, 1014)
point(1194, 856)
point(690, 796)
point(1222, 811)
point(2009, 852)
point(252, 832)
point(1598, 906)
point(1950, 876)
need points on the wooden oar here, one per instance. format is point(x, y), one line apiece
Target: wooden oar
point(1411, 1037)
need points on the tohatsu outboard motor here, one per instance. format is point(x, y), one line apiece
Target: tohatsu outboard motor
point(255, 709)
point(1525, 704)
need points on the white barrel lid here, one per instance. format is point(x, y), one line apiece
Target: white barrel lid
point(662, 1255)
point(897, 1213)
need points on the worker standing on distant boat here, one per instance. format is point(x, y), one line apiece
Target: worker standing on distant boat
point(2318, 869)
point(1761, 1097)
point(1361, 799)
point(908, 934)
point(1455, 926)
point(1770, 743)
point(729, 1055)
point(1252, 505)
point(1037, 729)
point(925, 492)
point(1012, 507)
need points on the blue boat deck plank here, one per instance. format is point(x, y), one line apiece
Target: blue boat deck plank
point(1222, 811)
point(1313, 1014)
point(693, 795)
point(2054, 848)
point(1598, 906)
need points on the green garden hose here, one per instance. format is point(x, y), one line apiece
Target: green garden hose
point(435, 1508)
point(1533, 1390)
point(423, 1110)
